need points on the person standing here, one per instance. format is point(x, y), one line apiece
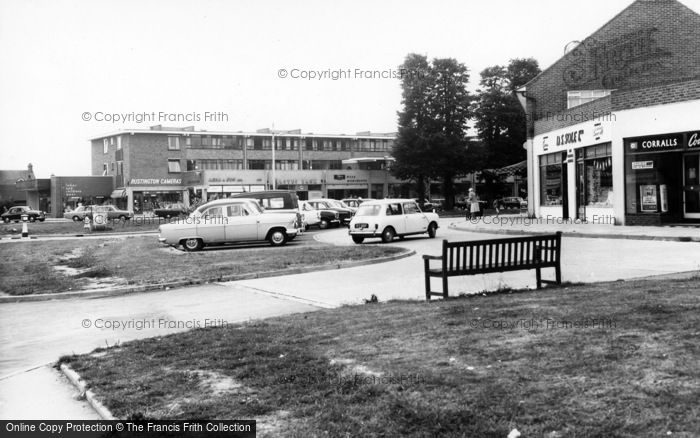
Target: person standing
point(473, 202)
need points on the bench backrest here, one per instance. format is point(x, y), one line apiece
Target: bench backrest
point(518, 252)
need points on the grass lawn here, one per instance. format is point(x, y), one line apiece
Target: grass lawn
point(137, 225)
point(29, 267)
point(612, 359)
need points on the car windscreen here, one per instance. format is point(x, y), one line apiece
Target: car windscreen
point(369, 210)
point(336, 204)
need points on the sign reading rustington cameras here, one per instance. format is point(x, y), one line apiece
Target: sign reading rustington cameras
point(155, 181)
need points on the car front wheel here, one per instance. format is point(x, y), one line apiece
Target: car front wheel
point(7, 220)
point(32, 218)
point(278, 238)
point(193, 244)
point(358, 239)
point(323, 224)
point(388, 235)
point(432, 231)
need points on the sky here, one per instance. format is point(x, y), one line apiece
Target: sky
point(72, 70)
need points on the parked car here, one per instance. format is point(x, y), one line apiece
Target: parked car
point(229, 220)
point(16, 213)
point(344, 214)
point(110, 211)
point(76, 215)
point(171, 210)
point(355, 202)
point(312, 217)
point(512, 202)
point(277, 201)
point(326, 218)
point(388, 218)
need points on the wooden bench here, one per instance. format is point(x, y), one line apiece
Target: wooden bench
point(497, 255)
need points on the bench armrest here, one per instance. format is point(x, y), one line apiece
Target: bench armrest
point(429, 257)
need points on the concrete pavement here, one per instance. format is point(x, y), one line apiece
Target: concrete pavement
point(34, 334)
point(583, 260)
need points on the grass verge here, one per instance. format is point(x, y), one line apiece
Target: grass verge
point(614, 359)
point(29, 267)
point(137, 225)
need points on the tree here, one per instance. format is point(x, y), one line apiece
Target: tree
point(411, 150)
point(500, 119)
point(431, 141)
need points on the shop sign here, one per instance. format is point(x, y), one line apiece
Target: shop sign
point(641, 165)
point(348, 179)
point(295, 181)
point(155, 181)
point(655, 143)
point(72, 190)
point(572, 137)
point(694, 140)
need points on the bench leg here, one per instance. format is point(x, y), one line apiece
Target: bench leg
point(426, 264)
point(538, 275)
point(444, 286)
point(558, 274)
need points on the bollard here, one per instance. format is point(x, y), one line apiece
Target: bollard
point(25, 228)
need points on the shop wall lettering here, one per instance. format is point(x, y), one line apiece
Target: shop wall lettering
point(611, 64)
point(155, 181)
point(570, 137)
point(667, 143)
point(694, 141)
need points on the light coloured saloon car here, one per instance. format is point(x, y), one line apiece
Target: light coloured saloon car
point(389, 218)
point(227, 221)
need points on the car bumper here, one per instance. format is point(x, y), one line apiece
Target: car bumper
point(365, 232)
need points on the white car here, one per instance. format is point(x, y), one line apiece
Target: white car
point(229, 220)
point(312, 217)
point(388, 218)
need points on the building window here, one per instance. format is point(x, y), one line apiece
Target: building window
point(259, 164)
point(173, 143)
point(119, 142)
point(105, 145)
point(595, 178)
point(104, 169)
point(112, 166)
point(551, 181)
point(286, 165)
point(206, 142)
point(308, 144)
point(174, 166)
point(576, 98)
point(250, 143)
point(217, 143)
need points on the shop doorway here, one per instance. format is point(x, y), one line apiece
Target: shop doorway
point(691, 186)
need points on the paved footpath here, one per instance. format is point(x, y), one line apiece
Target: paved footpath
point(583, 260)
point(35, 334)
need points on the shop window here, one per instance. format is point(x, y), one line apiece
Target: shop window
point(551, 179)
point(595, 176)
point(174, 166)
point(173, 143)
point(577, 98)
point(653, 183)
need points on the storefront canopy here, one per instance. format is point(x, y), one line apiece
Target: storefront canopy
point(117, 194)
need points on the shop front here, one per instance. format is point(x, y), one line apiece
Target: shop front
point(662, 178)
point(69, 192)
point(574, 175)
point(147, 194)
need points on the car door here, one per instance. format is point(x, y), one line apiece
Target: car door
point(241, 224)
point(210, 226)
point(394, 218)
point(415, 220)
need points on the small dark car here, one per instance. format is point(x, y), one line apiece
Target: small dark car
point(16, 213)
point(344, 214)
point(171, 210)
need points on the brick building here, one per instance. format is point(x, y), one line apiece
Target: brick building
point(160, 165)
point(613, 126)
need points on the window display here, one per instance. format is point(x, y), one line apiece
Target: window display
point(551, 179)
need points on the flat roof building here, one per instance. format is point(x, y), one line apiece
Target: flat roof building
point(613, 126)
point(161, 164)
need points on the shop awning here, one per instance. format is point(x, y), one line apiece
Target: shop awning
point(368, 160)
point(117, 194)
